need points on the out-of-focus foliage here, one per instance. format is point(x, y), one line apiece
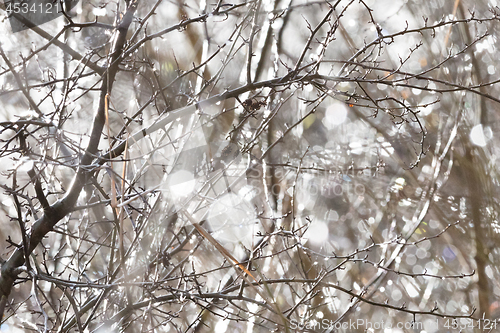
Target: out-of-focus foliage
point(263, 165)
